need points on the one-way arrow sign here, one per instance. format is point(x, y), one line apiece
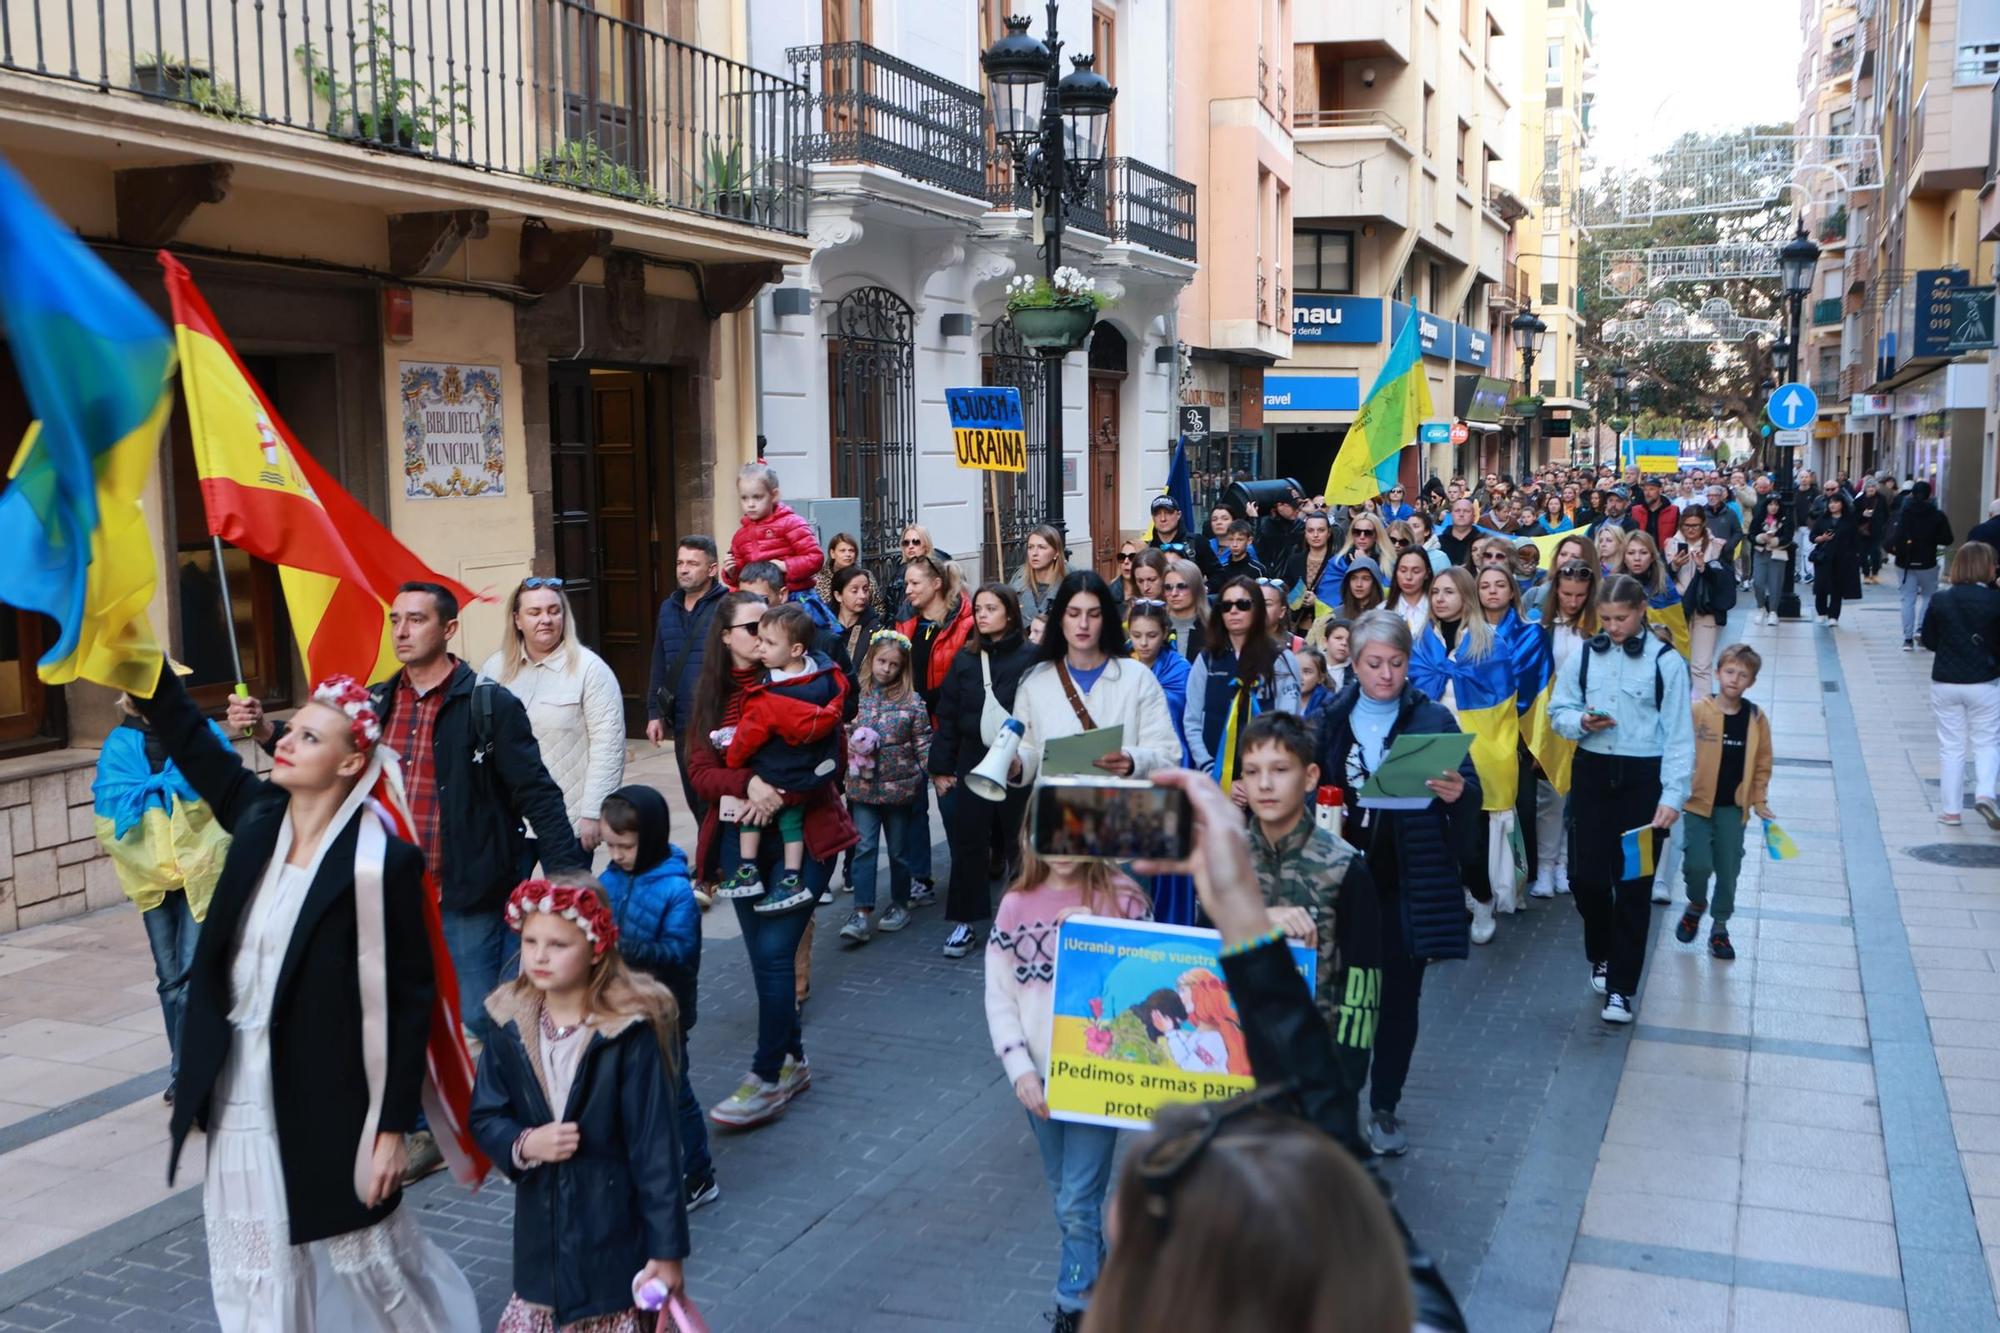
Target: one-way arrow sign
point(1794, 406)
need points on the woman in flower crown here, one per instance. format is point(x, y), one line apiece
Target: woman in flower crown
point(321, 1017)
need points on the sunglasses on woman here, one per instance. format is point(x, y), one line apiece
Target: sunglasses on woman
point(534, 583)
point(1237, 604)
point(1179, 587)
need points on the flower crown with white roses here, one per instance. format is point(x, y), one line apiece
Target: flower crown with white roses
point(579, 904)
point(350, 698)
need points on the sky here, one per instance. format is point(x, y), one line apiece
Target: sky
point(1695, 64)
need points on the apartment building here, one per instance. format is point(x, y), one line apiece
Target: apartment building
point(1234, 94)
point(1402, 210)
point(566, 206)
point(1555, 70)
point(1829, 106)
point(917, 223)
point(1919, 251)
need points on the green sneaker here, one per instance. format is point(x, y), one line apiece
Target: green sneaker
point(743, 884)
point(753, 1103)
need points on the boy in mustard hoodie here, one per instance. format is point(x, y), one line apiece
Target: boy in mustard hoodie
point(1732, 773)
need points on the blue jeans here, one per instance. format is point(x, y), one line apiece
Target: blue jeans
point(481, 955)
point(1076, 1159)
point(171, 930)
point(870, 821)
point(917, 836)
point(1919, 586)
point(773, 944)
point(695, 1160)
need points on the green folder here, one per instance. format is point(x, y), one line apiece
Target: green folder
point(1077, 756)
point(1411, 762)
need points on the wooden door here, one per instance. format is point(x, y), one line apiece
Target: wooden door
point(606, 552)
point(1102, 493)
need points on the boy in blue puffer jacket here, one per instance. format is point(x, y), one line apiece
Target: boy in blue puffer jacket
point(659, 931)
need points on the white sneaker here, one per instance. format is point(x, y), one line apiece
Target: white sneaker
point(1617, 1009)
point(1544, 886)
point(1821, 619)
point(1482, 922)
point(1598, 973)
point(1562, 878)
point(1661, 893)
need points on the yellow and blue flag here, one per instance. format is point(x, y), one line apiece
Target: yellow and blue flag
point(1665, 610)
point(1638, 845)
point(1778, 844)
point(1482, 698)
point(1179, 489)
point(1534, 690)
point(1365, 467)
point(96, 366)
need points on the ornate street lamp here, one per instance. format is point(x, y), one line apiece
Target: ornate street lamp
point(1621, 378)
point(1528, 334)
point(1054, 126)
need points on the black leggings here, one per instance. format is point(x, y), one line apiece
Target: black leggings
point(1396, 1029)
point(1826, 598)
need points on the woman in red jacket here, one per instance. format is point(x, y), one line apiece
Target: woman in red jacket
point(940, 624)
point(778, 1069)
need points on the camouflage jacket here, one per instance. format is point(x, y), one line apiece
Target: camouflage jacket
point(1311, 868)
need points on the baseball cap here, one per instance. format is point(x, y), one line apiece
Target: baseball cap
point(1165, 502)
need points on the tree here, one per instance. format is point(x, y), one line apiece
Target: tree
point(1675, 384)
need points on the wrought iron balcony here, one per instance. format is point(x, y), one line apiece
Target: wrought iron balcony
point(547, 89)
point(1129, 201)
point(864, 105)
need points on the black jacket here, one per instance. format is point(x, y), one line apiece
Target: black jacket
point(1920, 529)
point(1962, 626)
point(1415, 855)
point(679, 628)
point(1838, 558)
point(482, 798)
point(1457, 549)
point(1277, 538)
point(583, 1227)
point(319, 1087)
point(955, 746)
point(1288, 1041)
point(833, 646)
point(1987, 533)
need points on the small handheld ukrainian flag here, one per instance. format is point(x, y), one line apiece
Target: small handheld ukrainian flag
point(1638, 844)
point(1778, 844)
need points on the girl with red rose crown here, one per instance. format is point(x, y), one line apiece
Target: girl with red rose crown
point(575, 1103)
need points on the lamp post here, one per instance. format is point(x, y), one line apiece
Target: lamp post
point(1621, 378)
point(1053, 124)
point(1788, 596)
point(1528, 334)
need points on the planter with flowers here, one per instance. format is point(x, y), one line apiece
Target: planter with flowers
point(1054, 315)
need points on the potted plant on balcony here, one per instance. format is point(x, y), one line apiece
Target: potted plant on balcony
point(1054, 315)
point(382, 106)
point(583, 164)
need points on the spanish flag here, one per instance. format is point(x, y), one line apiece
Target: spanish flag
point(264, 493)
point(1482, 697)
point(96, 366)
point(1535, 685)
point(1365, 467)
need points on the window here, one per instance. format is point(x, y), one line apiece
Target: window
point(1430, 122)
point(1841, 122)
point(1464, 138)
point(1465, 20)
point(1555, 65)
point(1104, 42)
point(1437, 286)
point(1323, 261)
point(1551, 293)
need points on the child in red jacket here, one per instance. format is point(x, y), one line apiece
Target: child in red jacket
point(771, 530)
point(789, 735)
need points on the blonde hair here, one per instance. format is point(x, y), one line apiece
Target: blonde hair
point(1654, 580)
point(1060, 568)
point(1619, 536)
point(512, 648)
point(1102, 881)
point(865, 669)
point(613, 989)
point(1474, 634)
point(944, 571)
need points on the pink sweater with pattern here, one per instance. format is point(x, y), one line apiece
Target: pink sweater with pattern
point(1021, 965)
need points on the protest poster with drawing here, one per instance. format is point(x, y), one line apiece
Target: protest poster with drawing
point(1142, 1018)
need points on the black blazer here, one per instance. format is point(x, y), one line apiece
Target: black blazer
point(319, 1084)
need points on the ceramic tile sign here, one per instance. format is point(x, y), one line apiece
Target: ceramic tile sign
point(452, 442)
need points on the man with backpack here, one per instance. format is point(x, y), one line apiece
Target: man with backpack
point(471, 772)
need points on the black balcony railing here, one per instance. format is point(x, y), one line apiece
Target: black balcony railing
point(1128, 201)
point(864, 105)
point(547, 89)
point(1826, 311)
point(1009, 193)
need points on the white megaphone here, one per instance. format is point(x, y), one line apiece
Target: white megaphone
point(989, 780)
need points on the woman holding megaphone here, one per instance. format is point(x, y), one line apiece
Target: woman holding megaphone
point(977, 696)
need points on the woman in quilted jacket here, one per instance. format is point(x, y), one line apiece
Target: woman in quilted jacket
point(575, 707)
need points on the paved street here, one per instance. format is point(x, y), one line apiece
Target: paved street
point(1802, 1138)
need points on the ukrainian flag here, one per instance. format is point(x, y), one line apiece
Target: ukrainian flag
point(1665, 610)
point(1639, 847)
point(95, 364)
point(1365, 467)
point(1535, 687)
point(1482, 697)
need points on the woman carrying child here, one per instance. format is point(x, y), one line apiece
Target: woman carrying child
point(575, 1103)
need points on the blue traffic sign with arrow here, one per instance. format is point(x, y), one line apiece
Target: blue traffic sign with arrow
point(1793, 406)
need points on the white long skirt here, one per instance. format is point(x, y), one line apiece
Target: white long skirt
point(387, 1278)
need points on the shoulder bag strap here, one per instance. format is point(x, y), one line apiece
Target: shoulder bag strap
point(1075, 699)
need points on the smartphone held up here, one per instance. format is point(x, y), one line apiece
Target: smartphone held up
point(1110, 819)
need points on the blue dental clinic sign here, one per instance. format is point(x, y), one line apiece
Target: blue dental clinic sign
point(1441, 338)
point(1336, 319)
